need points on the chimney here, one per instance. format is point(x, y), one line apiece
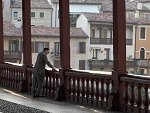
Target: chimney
point(139, 6)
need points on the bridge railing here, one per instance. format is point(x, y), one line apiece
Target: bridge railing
point(12, 76)
point(83, 87)
point(135, 94)
point(88, 88)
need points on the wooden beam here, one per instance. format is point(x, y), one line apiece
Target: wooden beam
point(27, 53)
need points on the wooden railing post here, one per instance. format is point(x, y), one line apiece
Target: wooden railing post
point(25, 82)
point(61, 91)
point(119, 50)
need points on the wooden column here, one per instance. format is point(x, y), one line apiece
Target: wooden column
point(64, 34)
point(27, 53)
point(64, 47)
point(119, 51)
point(119, 36)
point(1, 34)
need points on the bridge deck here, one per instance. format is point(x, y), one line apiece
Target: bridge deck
point(11, 102)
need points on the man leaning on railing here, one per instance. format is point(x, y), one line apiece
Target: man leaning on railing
point(39, 72)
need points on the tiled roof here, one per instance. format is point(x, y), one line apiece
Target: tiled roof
point(143, 1)
point(54, 31)
point(11, 30)
point(83, 1)
point(108, 18)
point(130, 6)
point(44, 4)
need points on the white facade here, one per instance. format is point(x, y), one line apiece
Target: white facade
point(35, 21)
point(75, 55)
point(83, 23)
point(74, 9)
point(6, 10)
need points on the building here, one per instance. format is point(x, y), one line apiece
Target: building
point(142, 48)
point(12, 39)
point(99, 28)
point(41, 12)
point(47, 37)
point(133, 9)
point(76, 7)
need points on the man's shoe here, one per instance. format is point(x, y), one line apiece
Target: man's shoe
point(33, 95)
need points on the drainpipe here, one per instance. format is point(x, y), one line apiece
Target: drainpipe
point(135, 68)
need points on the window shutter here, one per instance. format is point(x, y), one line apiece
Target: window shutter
point(82, 47)
point(36, 47)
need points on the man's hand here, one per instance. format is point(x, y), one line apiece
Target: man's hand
point(53, 69)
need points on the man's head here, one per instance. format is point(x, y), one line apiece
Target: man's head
point(46, 50)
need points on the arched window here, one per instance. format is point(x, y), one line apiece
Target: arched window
point(142, 53)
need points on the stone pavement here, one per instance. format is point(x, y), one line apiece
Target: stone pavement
point(11, 102)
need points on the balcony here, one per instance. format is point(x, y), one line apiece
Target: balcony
point(108, 41)
point(140, 63)
point(95, 63)
point(12, 55)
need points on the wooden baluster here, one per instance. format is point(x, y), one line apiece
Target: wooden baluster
point(85, 91)
point(106, 90)
point(69, 88)
point(130, 99)
point(50, 86)
point(89, 92)
point(145, 107)
point(6, 77)
point(15, 78)
point(92, 91)
point(102, 92)
point(78, 89)
point(46, 86)
point(98, 96)
point(81, 90)
point(137, 99)
point(95, 91)
point(53, 85)
point(124, 96)
point(73, 89)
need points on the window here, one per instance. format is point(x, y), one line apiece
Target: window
point(14, 45)
point(15, 14)
point(73, 19)
point(41, 14)
point(142, 53)
point(39, 46)
point(92, 33)
point(147, 16)
point(95, 53)
point(130, 15)
point(107, 53)
point(104, 33)
point(82, 47)
point(142, 33)
point(32, 14)
point(56, 49)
